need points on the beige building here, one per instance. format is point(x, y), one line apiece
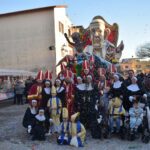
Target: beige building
point(34, 39)
point(135, 64)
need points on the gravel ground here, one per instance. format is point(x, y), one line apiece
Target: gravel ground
point(14, 137)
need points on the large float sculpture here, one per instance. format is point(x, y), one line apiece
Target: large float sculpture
point(98, 40)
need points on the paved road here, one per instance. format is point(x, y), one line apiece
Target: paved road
point(13, 136)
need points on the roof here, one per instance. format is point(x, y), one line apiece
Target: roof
point(14, 72)
point(32, 10)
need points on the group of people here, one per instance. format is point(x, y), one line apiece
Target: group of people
point(96, 99)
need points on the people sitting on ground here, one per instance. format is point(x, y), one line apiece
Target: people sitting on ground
point(77, 131)
point(64, 137)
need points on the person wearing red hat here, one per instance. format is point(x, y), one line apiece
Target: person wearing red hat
point(85, 70)
point(61, 73)
point(112, 68)
point(35, 91)
point(69, 95)
point(92, 66)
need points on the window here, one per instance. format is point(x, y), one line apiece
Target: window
point(61, 27)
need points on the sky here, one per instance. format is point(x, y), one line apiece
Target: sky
point(132, 16)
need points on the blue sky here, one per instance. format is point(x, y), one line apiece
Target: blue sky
point(133, 16)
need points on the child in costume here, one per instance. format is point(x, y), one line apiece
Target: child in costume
point(116, 111)
point(77, 131)
point(54, 105)
point(63, 138)
point(38, 130)
point(136, 116)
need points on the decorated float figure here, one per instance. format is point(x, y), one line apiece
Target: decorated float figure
point(64, 137)
point(38, 131)
point(54, 105)
point(77, 131)
point(35, 91)
point(116, 112)
point(29, 116)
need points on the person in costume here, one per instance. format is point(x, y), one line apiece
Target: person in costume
point(77, 131)
point(92, 66)
point(54, 105)
point(98, 121)
point(60, 89)
point(64, 137)
point(38, 131)
point(133, 90)
point(46, 91)
point(128, 81)
point(85, 70)
point(28, 84)
point(91, 96)
point(116, 112)
point(62, 72)
point(69, 95)
point(35, 91)
point(100, 80)
point(136, 116)
point(117, 88)
point(79, 95)
point(29, 116)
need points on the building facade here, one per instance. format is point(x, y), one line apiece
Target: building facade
point(34, 39)
point(139, 66)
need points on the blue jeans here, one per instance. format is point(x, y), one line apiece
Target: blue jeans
point(113, 120)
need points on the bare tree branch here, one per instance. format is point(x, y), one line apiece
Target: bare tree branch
point(143, 51)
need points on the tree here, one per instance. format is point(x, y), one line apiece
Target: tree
point(143, 51)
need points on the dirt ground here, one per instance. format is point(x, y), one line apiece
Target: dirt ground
point(14, 137)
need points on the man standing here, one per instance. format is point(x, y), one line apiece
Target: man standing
point(35, 91)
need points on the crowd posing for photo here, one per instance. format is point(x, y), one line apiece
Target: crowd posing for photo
point(99, 100)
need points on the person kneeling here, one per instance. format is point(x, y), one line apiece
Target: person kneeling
point(63, 138)
point(29, 116)
point(38, 130)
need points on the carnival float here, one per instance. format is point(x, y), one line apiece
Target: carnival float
point(99, 41)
